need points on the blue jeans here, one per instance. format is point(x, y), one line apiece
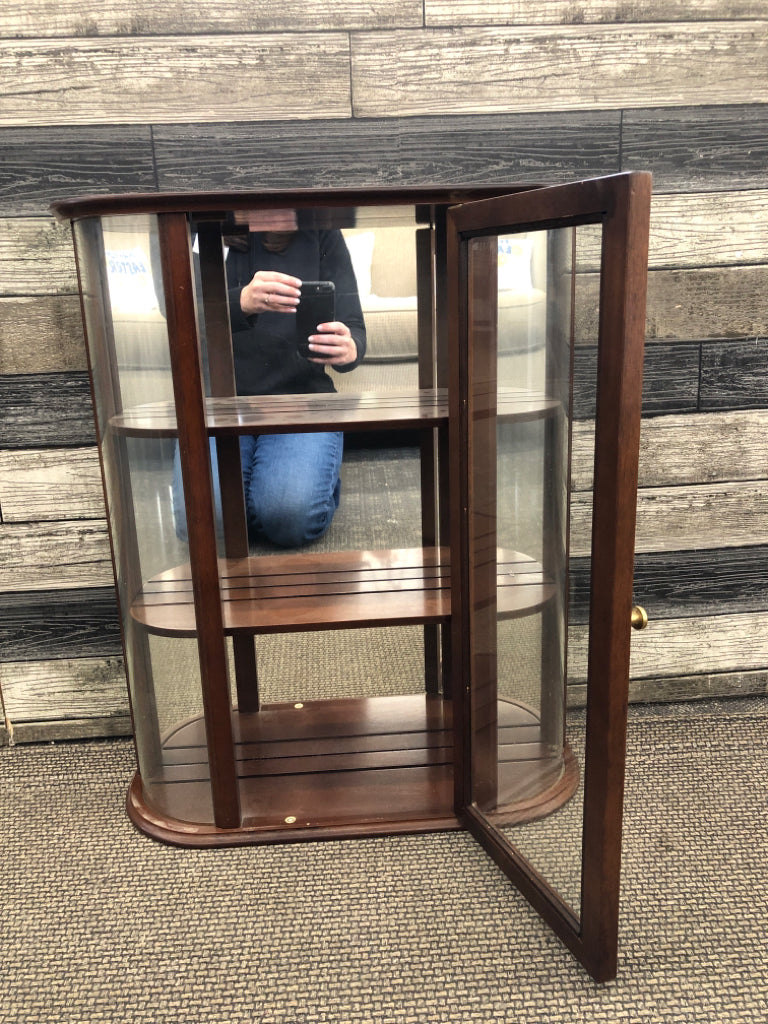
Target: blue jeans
point(291, 484)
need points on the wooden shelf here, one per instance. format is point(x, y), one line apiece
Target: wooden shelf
point(362, 766)
point(380, 410)
point(332, 590)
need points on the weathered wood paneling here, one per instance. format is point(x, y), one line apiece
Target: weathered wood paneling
point(681, 450)
point(40, 18)
point(47, 625)
point(164, 79)
point(706, 685)
point(41, 334)
point(37, 691)
point(686, 584)
point(42, 410)
point(55, 556)
point(47, 485)
point(682, 647)
point(670, 379)
point(479, 150)
point(480, 70)
point(36, 257)
point(727, 302)
point(735, 375)
point(697, 148)
point(160, 95)
point(37, 167)
point(700, 303)
point(685, 518)
point(687, 377)
point(549, 12)
point(709, 229)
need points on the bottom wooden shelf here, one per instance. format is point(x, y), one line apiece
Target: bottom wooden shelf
point(342, 768)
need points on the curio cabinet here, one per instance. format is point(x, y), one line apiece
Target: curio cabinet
point(454, 651)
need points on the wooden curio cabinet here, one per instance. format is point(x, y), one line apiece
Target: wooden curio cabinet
point(522, 373)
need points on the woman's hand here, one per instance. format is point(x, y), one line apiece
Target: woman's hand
point(270, 292)
point(333, 345)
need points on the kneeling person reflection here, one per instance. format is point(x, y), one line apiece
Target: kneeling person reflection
point(291, 481)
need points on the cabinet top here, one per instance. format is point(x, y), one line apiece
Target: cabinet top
point(202, 204)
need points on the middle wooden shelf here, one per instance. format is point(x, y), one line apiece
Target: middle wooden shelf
point(333, 590)
point(374, 410)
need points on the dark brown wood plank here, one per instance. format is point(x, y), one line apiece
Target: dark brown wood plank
point(46, 410)
point(488, 149)
point(734, 375)
point(37, 166)
point(44, 625)
point(697, 148)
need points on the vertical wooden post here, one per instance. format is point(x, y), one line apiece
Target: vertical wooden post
point(178, 282)
point(221, 370)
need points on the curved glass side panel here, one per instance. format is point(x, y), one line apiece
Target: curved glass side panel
point(128, 348)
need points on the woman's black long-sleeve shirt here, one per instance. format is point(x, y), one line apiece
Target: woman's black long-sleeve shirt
point(266, 359)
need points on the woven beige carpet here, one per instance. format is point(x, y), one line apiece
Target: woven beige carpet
point(101, 923)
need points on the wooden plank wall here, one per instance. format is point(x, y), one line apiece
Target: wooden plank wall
point(100, 96)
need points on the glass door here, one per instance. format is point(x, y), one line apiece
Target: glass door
point(546, 344)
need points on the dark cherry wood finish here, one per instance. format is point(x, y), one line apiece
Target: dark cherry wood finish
point(621, 204)
point(383, 765)
point(178, 284)
point(326, 770)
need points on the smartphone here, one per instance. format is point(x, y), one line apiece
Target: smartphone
point(317, 305)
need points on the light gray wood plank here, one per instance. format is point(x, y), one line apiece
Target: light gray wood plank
point(41, 334)
point(50, 485)
point(441, 71)
point(36, 257)
point(42, 18)
point(709, 228)
point(80, 688)
point(686, 647)
point(698, 303)
point(54, 556)
point(696, 449)
point(701, 229)
point(718, 302)
point(445, 13)
point(683, 518)
point(160, 80)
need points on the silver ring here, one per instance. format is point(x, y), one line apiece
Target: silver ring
point(268, 299)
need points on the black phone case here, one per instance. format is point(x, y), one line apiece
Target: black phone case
point(317, 305)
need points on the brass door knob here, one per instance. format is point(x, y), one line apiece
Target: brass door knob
point(639, 617)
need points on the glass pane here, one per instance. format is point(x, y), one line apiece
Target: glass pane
point(325, 694)
point(129, 353)
point(529, 735)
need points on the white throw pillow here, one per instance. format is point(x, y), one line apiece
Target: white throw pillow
point(360, 247)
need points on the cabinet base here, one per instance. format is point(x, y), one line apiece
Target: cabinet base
point(342, 769)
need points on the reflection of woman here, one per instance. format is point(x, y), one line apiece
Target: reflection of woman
point(291, 481)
